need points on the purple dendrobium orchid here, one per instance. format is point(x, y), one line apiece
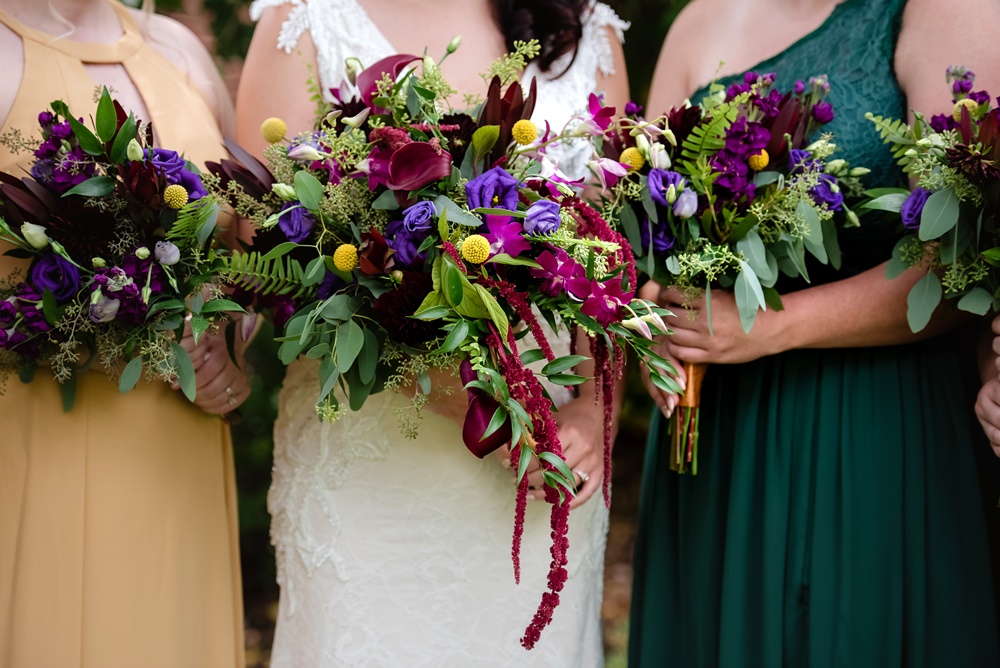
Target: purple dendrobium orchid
point(608, 171)
point(558, 269)
point(600, 116)
point(505, 236)
point(601, 301)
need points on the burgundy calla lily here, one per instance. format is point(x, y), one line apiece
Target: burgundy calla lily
point(418, 164)
point(368, 79)
point(478, 417)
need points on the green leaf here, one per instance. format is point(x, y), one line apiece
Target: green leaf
point(531, 356)
point(359, 391)
point(165, 305)
point(328, 376)
point(558, 462)
point(315, 271)
point(185, 371)
point(130, 375)
point(217, 305)
point(49, 307)
point(567, 379)
point(483, 141)
point(940, 214)
point(922, 300)
point(350, 339)
point(752, 247)
point(309, 190)
point(832, 244)
point(432, 313)
point(749, 296)
point(896, 265)
point(490, 211)
point(368, 357)
point(67, 389)
point(522, 464)
point(499, 418)
point(456, 337)
point(766, 178)
point(456, 214)
point(630, 225)
point(412, 102)
point(126, 134)
point(503, 258)
point(454, 290)
point(337, 309)
point(95, 186)
point(497, 314)
point(386, 202)
point(199, 325)
point(977, 300)
point(649, 206)
point(319, 351)
point(891, 202)
point(106, 120)
point(814, 230)
point(278, 251)
point(773, 299)
point(561, 364)
point(89, 142)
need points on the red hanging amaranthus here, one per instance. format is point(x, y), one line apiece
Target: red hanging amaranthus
point(526, 388)
point(450, 249)
point(522, 306)
point(605, 375)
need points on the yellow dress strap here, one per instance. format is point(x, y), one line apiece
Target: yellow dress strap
point(111, 52)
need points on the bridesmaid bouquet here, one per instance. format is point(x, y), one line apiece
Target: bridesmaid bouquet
point(729, 194)
point(119, 238)
point(396, 239)
point(950, 214)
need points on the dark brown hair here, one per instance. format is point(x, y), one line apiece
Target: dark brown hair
point(556, 24)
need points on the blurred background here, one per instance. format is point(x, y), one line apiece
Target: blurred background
point(225, 27)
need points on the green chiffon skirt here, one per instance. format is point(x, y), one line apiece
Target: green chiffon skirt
point(838, 518)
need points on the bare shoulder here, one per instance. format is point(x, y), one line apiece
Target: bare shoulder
point(678, 67)
point(934, 36)
point(12, 56)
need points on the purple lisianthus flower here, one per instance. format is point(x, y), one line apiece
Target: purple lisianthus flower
point(822, 113)
point(542, 217)
point(662, 239)
point(660, 181)
point(105, 309)
point(170, 163)
point(913, 207)
point(406, 243)
point(420, 217)
point(686, 204)
point(57, 275)
point(192, 184)
point(745, 138)
point(558, 269)
point(296, 222)
point(828, 192)
point(601, 301)
point(330, 284)
point(506, 237)
point(493, 189)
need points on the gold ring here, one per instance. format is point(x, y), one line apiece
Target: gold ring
point(584, 477)
point(231, 395)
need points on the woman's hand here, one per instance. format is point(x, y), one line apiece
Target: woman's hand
point(221, 385)
point(988, 412)
point(727, 343)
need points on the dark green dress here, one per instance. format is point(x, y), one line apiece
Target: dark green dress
point(838, 517)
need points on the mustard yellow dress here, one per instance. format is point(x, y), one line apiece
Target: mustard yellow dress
point(118, 526)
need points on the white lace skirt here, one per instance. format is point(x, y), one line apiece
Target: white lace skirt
point(397, 553)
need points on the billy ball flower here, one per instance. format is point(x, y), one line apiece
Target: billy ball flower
point(966, 103)
point(476, 249)
point(175, 196)
point(524, 132)
point(273, 130)
point(633, 158)
point(758, 161)
point(345, 258)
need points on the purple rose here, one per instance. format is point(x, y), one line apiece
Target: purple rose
point(542, 217)
point(913, 207)
point(822, 113)
point(170, 163)
point(828, 192)
point(296, 222)
point(660, 181)
point(495, 189)
point(420, 217)
point(57, 275)
point(406, 244)
point(662, 239)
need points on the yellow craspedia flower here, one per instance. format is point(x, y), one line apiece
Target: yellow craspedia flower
point(274, 130)
point(476, 249)
point(345, 258)
point(759, 161)
point(633, 158)
point(175, 196)
point(968, 104)
point(524, 132)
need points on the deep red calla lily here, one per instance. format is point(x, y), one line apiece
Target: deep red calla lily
point(375, 256)
point(416, 165)
point(368, 79)
point(478, 417)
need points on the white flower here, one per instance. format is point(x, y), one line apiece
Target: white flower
point(103, 309)
point(284, 191)
point(454, 43)
point(142, 252)
point(306, 153)
point(357, 120)
point(637, 324)
point(686, 204)
point(167, 253)
point(35, 235)
point(133, 151)
point(658, 156)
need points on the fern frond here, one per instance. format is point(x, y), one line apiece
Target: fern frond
point(897, 133)
point(195, 223)
point(281, 276)
point(708, 139)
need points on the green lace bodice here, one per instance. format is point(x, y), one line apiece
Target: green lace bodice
point(854, 47)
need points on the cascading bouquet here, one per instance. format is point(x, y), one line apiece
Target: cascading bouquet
point(950, 214)
point(119, 235)
point(396, 239)
point(728, 194)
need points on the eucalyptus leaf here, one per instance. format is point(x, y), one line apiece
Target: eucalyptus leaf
point(896, 265)
point(940, 214)
point(328, 375)
point(350, 339)
point(130, 375)
point(977, 300)
point(315, 271)
point(891, 202)
point(747, 301)
point(922, 300)
point(456, 214)
point(753, 249)
point(368, 357)
point(309, 190)
point(278, 251)
point(185, 371)
point(832, 244)
point(630, 225)
point(386, 201)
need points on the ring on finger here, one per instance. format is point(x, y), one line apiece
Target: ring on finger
point(584, 476)
point(231, 395)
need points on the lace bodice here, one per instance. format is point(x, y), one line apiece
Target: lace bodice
point(854, 47)
point(341, 29)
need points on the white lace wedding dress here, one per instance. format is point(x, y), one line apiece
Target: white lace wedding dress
point(395, 552)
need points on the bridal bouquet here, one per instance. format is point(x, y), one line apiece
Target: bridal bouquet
point(950, 214)
point(729, 194)
point(396, 239)
point(119, 238)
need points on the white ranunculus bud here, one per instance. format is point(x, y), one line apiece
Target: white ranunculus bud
point(35, 235)
point(103, 309)
point(658, 156)
point(167, 253)
point(98, 263)
point(134, 151)
point(284, 191)
point(142, 252)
